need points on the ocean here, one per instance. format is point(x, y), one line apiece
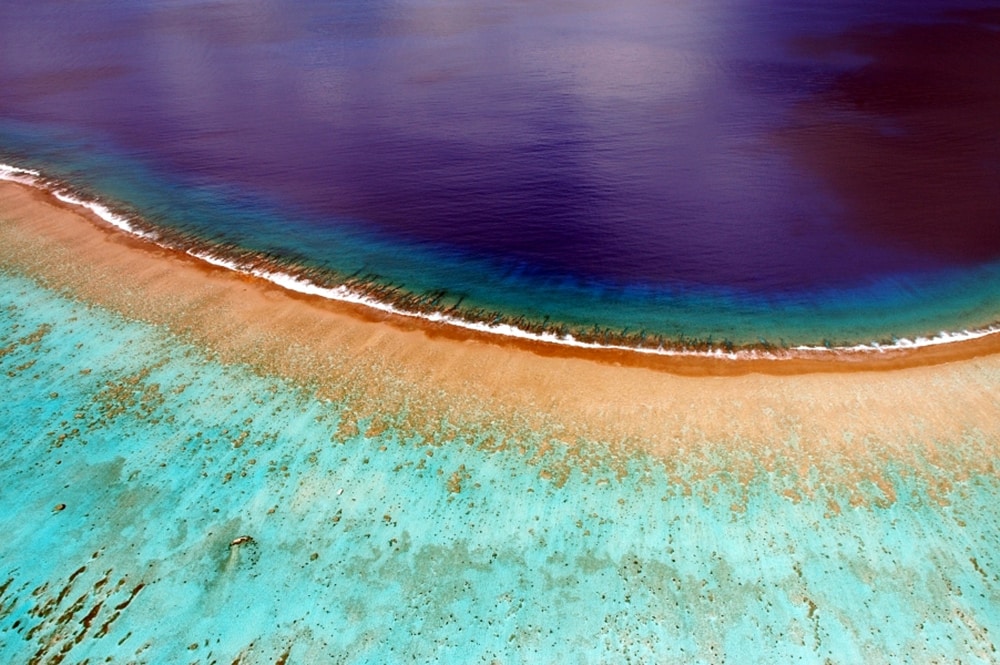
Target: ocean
point(668, 173)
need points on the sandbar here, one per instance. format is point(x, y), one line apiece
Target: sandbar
point(840, 414)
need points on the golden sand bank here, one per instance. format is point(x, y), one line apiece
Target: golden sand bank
point(921, 407)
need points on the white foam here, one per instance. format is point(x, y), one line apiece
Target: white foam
point(943, 337)
point(104, 213)
point(34, 178)
point(343, 293)
point(16, 174)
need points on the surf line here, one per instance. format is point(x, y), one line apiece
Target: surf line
point(343, 293)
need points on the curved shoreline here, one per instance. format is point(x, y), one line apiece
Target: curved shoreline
point(895, 354)
point(686, 362)
point(767, 413)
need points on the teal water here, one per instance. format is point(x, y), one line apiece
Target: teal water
point(132, 460)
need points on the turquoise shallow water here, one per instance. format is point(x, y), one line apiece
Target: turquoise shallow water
point(132, 460)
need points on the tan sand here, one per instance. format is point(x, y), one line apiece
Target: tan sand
point(932, 408)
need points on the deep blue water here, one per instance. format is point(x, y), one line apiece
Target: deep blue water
point(702, 170)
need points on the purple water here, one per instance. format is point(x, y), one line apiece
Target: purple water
point(762, 148)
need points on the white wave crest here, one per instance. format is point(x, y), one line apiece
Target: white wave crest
point(104, 213)
point(17, 174)
point(34, 179)
point(344, 293)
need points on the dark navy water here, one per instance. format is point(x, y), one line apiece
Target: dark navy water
point(724, 169)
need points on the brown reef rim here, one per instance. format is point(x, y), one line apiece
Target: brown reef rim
point(779, 362)
point(902, 404)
